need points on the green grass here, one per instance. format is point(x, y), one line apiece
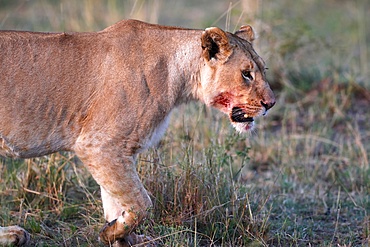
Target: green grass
point(302, 178)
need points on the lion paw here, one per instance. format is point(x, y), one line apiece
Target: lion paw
point(112, 231)
point(14, 235)
point(116, 233)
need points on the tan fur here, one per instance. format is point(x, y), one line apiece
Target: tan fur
point(107, 97)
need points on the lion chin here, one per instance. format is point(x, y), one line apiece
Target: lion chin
point(245, 127)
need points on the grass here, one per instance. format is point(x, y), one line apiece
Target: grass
point(302, 178)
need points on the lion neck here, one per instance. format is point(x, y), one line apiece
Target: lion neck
point(185, 64)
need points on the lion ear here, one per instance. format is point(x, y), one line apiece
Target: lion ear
point(247, 33)
point(215, 44)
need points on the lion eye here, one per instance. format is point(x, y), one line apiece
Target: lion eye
point(247, 75)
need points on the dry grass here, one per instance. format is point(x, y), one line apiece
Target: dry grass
point(301, 179)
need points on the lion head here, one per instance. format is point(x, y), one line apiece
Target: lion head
point(233, 77)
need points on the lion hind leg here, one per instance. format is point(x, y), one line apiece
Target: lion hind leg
point(14, 236)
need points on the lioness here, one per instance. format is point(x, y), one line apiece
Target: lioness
point(108, 96)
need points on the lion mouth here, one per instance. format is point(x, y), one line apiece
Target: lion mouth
point(237, 115)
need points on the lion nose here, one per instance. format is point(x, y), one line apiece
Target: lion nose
point(268, 104)
point(268, 98)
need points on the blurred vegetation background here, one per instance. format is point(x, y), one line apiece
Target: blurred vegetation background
point(302, 178)
point(314, 38)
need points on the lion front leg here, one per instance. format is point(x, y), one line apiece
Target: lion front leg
point(125, 201)
point(122, 220)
